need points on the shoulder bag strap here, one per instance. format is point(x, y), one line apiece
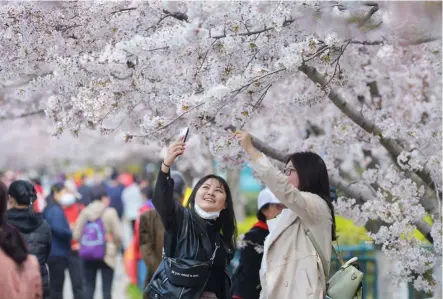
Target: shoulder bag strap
point(317, 248)
point(218, 242)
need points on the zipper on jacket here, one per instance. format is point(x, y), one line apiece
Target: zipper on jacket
point(207, 279)
point(203, 288)
point(181, 293)
point(198, 247)
point(229, 278)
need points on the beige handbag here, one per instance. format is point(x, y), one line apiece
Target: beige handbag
point(346, 283)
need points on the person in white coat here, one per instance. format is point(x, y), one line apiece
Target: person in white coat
point(291, 267)
point(132, 202)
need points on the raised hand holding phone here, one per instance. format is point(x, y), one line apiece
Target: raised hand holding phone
point(175, 149)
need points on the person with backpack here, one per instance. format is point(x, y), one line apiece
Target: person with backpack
point(20, 272)
point(35, 231)
point(98, 231)
point(246, 279)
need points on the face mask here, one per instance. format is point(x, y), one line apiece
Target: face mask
point(206, 215)
point(67, 200)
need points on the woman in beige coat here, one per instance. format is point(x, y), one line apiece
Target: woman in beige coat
point(291, 267)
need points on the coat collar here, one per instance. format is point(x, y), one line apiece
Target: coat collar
point(262, 225)
point(285, 219)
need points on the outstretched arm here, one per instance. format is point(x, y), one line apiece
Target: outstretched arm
point(170, 211)
point(310, 209)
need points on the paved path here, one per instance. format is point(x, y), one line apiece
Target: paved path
point(120, 281)
point(119, 284)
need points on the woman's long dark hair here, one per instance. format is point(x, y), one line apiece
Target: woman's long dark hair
point(313, 177)
point(227, 216)
point(11, 240)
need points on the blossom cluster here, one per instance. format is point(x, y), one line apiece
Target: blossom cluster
point(347, 80)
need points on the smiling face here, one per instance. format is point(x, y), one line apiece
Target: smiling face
point(211, 196)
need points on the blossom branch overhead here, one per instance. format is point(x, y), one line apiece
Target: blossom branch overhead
point(280, 69)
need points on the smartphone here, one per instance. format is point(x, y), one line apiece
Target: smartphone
point(186, 135)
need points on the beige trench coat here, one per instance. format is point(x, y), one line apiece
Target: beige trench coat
point(112, 225)
point(291, 267)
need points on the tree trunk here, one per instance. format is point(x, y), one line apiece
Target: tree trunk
point(386, 286)
point(233, 179)
point(438, 293)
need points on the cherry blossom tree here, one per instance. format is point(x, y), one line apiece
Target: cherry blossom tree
point(357, 82)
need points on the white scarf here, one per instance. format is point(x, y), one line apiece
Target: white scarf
point(206, 215)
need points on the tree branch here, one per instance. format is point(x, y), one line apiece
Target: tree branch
point(123, 9)
point(392, 146)
point(64, 28)
point(370, 13)
point(258, 79)
point(177, 15)
point(351, 191)
point(23, 115)
point(249, 33)
point(130, 136)
point(264, 147)
point(368, 43)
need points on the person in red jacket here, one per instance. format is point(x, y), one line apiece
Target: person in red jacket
point(72, 209)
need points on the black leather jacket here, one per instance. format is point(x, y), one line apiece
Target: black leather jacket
point(184, 235)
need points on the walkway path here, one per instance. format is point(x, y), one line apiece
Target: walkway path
point(120, 282)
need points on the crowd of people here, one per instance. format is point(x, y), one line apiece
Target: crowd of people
point(76, 228)
point(186, 248)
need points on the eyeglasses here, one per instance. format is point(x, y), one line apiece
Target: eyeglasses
point(288, 171)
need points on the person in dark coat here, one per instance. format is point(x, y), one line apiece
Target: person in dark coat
point(204, 231)
point(115, 190)
point(246, 278)
point(35, 231)
point(61, 238)
point(152, 231)
point(85, 192)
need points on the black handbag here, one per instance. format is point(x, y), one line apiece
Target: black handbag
point(188, 273)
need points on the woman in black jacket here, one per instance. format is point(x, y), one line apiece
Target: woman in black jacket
point(203, 233)
point(35, 230)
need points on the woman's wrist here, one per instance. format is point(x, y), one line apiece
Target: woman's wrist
point(254, 154)
point(165, 167)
